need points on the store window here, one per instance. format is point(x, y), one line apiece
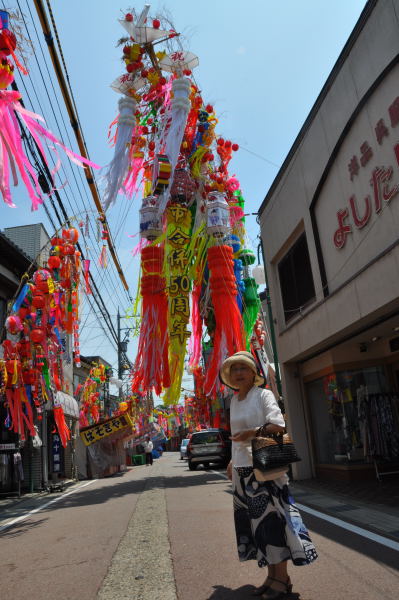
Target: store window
point(296, 280)
point(354, 417)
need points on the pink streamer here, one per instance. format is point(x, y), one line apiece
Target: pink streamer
point(12, 155)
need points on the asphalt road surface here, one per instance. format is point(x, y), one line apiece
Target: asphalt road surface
point(164, 532)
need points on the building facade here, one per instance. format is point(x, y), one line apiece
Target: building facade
point(33, 240)
point(329, 227)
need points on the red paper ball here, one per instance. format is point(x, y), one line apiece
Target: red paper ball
point(70, 235)
point(156, 23)
point(29, 376)
point(23, 312)
point(220, 142)
point(227, 144)
point(235, 147)
point(68, 250)
point(144, 73)
point(13, 324)
point(187, 72)
point(126, 49)
point(54, 262)
point(37, 335)
point(130, 68)
point(129, 17)
point(209, 108)
point(8, 41)
point(38, 301)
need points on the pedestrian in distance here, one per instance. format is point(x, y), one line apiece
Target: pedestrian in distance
point(269, 528)
point(148, 448)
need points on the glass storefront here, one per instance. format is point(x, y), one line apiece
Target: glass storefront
point(354, 418)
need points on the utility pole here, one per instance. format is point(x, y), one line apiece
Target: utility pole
point(122, 349)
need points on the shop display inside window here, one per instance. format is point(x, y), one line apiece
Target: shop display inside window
point(359, 419)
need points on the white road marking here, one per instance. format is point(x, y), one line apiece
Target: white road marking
point(343, 524)
point(43, 506)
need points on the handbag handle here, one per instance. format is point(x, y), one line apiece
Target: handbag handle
point(261, 432)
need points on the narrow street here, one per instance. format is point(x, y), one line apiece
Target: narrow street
point(166, 532)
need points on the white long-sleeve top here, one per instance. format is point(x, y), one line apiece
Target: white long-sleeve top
point(257, 408)
point(148, 446)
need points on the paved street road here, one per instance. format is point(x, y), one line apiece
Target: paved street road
point(165, 532)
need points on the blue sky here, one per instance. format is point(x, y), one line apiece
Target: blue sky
point(262, 66)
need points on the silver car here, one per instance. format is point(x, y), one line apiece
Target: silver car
point(183, 449)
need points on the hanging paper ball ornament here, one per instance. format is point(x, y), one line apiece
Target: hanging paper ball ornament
point(38, 300)
point(67, 249)
point(156, 23)
point(235, 147)
point(13, 324)
point(54, 262)
point(37, 335)
point(8, 41)
point(129, 17)
point(123, 406)
point(70, 235)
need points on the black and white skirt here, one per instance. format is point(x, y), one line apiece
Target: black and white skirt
point(268, 525)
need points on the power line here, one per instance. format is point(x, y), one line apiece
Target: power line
point(78, 134)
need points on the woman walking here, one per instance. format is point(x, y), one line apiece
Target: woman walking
point(269, 528)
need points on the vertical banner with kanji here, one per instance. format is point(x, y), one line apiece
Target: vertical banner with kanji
point(178, 286)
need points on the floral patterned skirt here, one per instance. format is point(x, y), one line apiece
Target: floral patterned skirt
point(268, 525)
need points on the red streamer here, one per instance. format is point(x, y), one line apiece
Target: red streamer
point(151, 368)
point(229, 334)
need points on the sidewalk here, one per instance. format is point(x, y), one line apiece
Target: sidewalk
point(368, 504)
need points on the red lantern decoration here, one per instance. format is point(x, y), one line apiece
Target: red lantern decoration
point(38, 300)
point(54, 262)
point(37, 335)
point(70, 235)
point(67, 250)
point(29, 376)
point(24, 348)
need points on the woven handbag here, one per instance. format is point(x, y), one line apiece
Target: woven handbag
point(274, 451)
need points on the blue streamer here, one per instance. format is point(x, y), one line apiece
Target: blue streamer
point(20, 298)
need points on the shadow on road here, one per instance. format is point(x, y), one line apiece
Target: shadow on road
point(223, 593)
point(20, 528)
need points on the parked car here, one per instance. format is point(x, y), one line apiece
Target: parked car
point(209, 446)
point(183, 448)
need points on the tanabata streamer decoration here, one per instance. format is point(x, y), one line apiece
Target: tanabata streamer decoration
point(89, 395)
point(14, 118)
point(192, 214)
point(178, 220)
point(151, 367)
point(42, 325)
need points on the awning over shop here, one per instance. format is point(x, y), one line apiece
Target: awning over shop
point(68, 403)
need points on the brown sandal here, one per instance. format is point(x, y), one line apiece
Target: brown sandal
point(272, 594)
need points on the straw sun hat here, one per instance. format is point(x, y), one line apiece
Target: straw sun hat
point(240, 357)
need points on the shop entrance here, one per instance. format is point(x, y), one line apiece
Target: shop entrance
point(355, 424)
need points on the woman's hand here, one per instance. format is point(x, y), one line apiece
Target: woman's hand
point(244, 436)
point(230, 471)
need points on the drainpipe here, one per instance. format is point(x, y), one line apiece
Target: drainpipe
point(271, 321)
